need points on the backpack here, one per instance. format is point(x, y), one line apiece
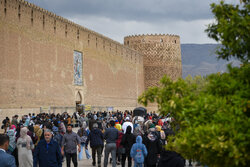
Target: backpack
point(83, 135)
point(139, 157)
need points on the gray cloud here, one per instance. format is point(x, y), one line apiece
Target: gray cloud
point(119, 18)
point(189, 31)
point(139, 10)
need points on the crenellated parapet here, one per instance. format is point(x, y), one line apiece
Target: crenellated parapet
point(153, 35)
point(32, 17)
point(152, 38)
point(142, 35)
point(158, 54)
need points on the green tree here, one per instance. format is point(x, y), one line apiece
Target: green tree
point(214, 121)
point(231, 29)
point(198, 80)
point(213, 112)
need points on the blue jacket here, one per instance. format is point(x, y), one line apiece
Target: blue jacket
point(95, 137)
point(7, 160)
point(138, 146)
point(47, 155)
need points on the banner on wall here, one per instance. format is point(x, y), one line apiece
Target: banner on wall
point(87, 107)
point(110, 109)
point(77, 68)
point(45, 109)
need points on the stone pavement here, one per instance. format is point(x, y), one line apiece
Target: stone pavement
point(84, 162)
point(88, 162)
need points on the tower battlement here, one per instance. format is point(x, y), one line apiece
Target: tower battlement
point(143, 35)
point(152, 39)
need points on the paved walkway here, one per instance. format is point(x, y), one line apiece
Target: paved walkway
point(84, 162)
point(88, 162)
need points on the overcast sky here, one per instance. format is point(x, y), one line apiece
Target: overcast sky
point(119, 18)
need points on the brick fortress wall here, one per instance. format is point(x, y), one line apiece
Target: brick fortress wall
point(36, 62)
point(161, 55)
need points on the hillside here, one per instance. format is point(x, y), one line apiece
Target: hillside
point(200, 59)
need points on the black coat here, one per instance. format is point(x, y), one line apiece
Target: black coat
point(91, 123)
point(127, 142)
point(171, 159)
point(153, 148)
point(96, 138)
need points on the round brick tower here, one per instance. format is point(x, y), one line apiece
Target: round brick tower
point(161, 55)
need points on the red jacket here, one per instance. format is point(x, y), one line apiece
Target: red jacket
point(118, 141)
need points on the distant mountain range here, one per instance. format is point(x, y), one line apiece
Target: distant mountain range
point(201, 59)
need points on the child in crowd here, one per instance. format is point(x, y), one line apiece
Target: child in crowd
point(138, 152)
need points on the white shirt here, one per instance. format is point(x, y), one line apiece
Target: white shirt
point(125, 125)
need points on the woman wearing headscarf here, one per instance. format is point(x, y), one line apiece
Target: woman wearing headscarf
point(12, 138)
point(32, 134)
point(27, 121)
point(12, 142)
point(152, 143)
point(160, 134)
point(118, 143)
point(128, 140)
point(25, 145)
point(83, 133)
point(62, 128)
point(138, 130)
point(38, 131)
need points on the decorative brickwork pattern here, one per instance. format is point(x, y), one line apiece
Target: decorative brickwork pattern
point(161, 56)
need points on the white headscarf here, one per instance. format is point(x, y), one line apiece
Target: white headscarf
point(23, 135)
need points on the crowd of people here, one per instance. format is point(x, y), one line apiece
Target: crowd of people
point(47, 140)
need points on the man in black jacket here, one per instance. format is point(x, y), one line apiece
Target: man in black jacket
point(96, 143)
point(91, 122)
point(47, 152)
